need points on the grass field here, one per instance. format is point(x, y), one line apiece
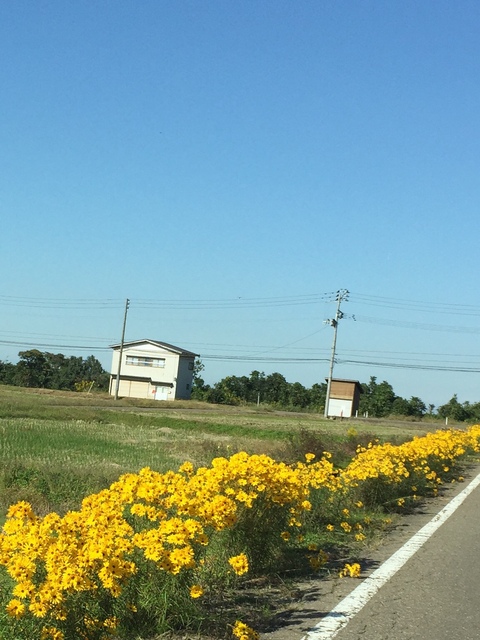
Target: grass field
point(90, 439)
point(56, 448)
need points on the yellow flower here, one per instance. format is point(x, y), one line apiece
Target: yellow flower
point(51, 633)
point(196, 591)
point(111, 622)
point(187, 468)
point(239, 564)
point(352, 570)
point(318, 560)
point(39, 609)
point(309, 457)
point(330, 527)
point(285, 535)
point(243, 632)
point(15, 608)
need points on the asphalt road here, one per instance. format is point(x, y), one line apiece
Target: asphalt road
point(435, 595)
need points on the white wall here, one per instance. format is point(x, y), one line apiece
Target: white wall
point(159, 374)
point(340, 408)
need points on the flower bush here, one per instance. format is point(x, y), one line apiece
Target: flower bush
point(146, 552)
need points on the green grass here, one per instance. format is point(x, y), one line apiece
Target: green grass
point(58, 447)
point(83, 442)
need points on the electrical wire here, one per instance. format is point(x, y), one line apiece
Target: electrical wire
point(407, 324)
point(399, 359)
point(416, 305)
point(37, 345)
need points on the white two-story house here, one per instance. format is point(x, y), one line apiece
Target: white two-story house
point(152, 369)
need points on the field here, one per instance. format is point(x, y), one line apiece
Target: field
point(91, 439)
point(57, 448)
point(88, 440)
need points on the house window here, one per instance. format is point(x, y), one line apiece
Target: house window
point(145, 361)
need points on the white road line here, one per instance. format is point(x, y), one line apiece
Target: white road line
point(339, 617)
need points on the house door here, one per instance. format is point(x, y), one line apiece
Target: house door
point(161, 393)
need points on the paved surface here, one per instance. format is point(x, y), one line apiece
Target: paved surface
point(435, 595)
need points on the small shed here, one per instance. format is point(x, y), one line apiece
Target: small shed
point(344, 398)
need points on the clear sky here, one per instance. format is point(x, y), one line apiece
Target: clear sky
point(224, 164)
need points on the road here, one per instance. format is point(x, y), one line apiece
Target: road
point(435, 595)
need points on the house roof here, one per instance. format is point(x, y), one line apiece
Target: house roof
point(164, 345)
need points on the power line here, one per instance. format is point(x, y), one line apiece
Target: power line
point(416, 305)
point(391, 365)
point(36, 345)
point(61, 303)
point(423, 367)
point(56, 335)
point(235, 303)
point(58, 303)
point(407, 324)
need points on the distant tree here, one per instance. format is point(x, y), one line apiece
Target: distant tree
point(377, 399)
point(199, 388)
point(298, 395)
point(318, 396)
point(455, 410)
point(198, 369)
point(239, 386)
point(55, 371)
point(416, 407)
point(33, 369)
point(257, 386)
point(60, 377)
point(474, 410)
point(221, 393)
point(93, 371)
point(400, 407)
point(276, 389)
point(7, 373)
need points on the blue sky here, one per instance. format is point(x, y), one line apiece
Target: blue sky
point(225, 164)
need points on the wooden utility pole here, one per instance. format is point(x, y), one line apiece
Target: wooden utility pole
point(341, 295)
point(117, 386)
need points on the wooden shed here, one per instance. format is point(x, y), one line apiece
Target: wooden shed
point(344, 398)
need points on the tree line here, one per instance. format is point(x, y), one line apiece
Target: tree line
point(378, 399)
point(54, 371)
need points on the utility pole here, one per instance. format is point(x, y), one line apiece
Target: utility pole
point(341, 296)
point(117, 386)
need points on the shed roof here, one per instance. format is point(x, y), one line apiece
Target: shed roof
point(356, 382)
